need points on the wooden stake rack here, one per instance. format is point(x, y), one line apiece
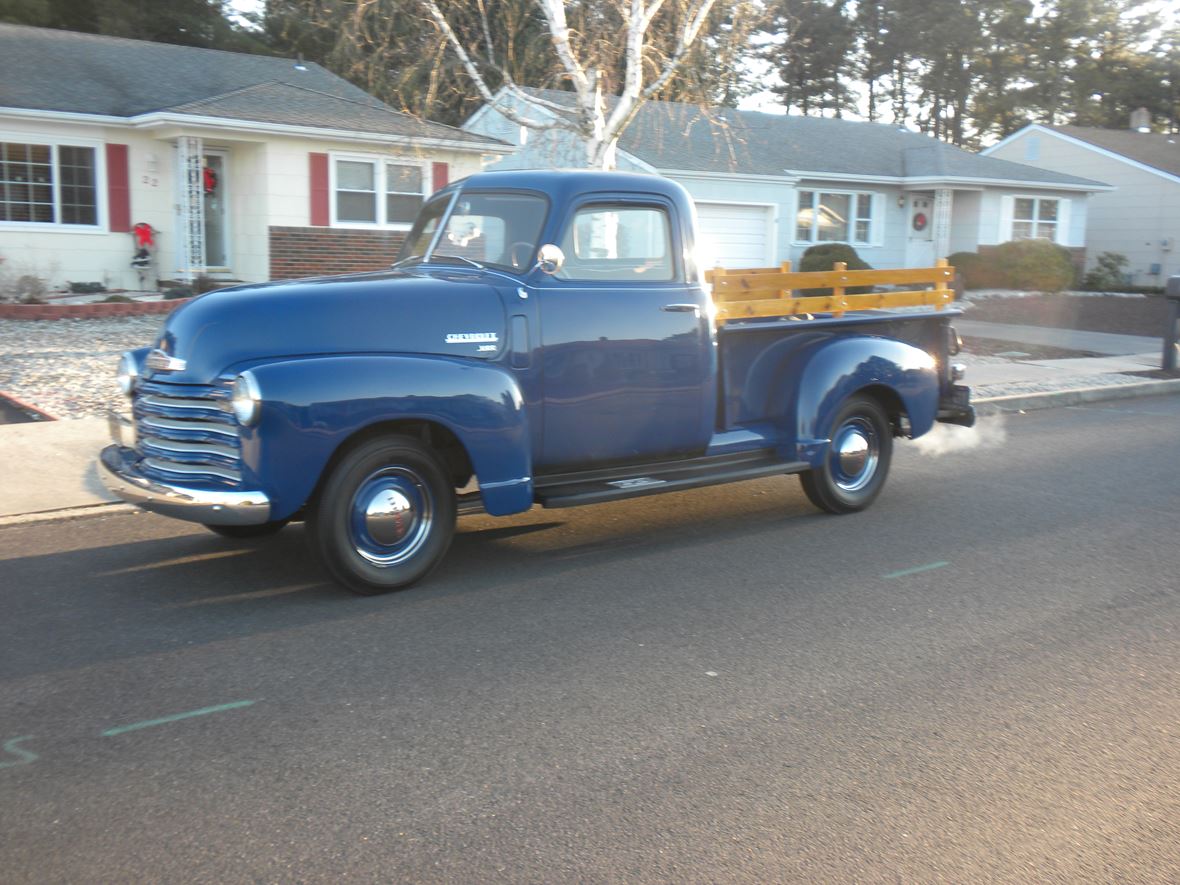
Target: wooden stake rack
point(772, 291)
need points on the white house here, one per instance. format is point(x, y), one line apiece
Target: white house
point(1140, 217)
point(246, 167)
point(767, 186)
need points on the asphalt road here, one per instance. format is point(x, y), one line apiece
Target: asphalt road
point(978, 679)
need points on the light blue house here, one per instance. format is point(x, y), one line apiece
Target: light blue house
point(767, 186)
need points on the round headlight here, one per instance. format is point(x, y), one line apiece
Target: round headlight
point(127, 374)
point(247, 399)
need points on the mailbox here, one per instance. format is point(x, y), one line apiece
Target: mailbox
point(1172, 336)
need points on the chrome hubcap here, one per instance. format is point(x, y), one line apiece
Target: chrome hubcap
point(391, 516)
point(388, 517)
point(856, 451)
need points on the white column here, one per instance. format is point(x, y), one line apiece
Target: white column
point(190, 245)
point(943, 202)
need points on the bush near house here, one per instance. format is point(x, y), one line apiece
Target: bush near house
point(977, 272)
point(823, 256)
point(1030, 265)
point(22, 289)
point(1109, 273)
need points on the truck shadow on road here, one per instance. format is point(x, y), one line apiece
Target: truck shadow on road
point(146, 584)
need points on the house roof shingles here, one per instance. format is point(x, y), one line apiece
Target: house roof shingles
point(50, 70)
point(1149, 148)
point(687, 137)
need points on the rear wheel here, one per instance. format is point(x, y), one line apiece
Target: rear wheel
point(385, 517)
point(242, 532)
point(857, 462)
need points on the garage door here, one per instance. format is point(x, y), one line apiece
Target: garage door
point(735, 236)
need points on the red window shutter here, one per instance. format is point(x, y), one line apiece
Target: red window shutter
point(118, 189)
point(441, 173)
point(319, 190)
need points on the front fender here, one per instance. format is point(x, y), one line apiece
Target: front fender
point(840, 367)
point(312, 406)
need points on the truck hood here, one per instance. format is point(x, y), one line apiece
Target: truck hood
point(436, 312)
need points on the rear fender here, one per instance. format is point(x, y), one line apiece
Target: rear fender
point(840, 367)
point(312, 406)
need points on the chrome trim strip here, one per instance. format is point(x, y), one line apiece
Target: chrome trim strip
point(119, 474)
point(166, 466)
point(174, 402)
point(163, 444)
point(156, 422)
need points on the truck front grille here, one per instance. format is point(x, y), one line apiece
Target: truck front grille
point(187, 433)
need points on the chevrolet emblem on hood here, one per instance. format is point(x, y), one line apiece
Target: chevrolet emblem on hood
point(158, 361)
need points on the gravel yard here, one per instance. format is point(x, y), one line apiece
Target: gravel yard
point(67, 367)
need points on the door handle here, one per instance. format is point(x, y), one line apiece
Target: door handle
point(682, 308)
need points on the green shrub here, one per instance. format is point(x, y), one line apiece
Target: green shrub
point(117, 299)
point(1036, 265)
point(823, 256)
point(87, 288)
point(174, 292)
point(1109, 273)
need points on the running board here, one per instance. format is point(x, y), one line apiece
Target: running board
point(596, 487)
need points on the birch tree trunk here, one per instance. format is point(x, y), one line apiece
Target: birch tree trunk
point(596, 119)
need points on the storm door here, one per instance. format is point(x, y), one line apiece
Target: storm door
point(215, 194)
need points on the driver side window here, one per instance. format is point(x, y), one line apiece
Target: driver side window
point(615, 243)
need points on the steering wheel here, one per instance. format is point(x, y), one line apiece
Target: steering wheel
point(519, 252)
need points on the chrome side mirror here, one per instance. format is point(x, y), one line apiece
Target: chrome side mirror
point(550, 259)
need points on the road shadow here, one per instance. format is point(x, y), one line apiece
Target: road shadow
point(123, 598)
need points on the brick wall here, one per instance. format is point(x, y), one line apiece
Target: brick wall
point(317, 251)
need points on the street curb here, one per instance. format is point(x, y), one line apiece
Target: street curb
point(21, 404)
point(68, 513)
point(1027, 402)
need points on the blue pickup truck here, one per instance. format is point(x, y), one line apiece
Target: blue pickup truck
point(545, 338)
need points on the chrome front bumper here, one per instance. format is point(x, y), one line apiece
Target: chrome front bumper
point(117, 469)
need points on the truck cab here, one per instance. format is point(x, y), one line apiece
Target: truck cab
point(544, 338)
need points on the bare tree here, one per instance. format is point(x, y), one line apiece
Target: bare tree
point(585, 52)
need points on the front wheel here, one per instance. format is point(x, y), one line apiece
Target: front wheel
point(857, 461)
point(385, 517)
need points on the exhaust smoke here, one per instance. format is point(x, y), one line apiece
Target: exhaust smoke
point(949, 439)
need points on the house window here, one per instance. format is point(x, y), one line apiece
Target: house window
point(48, 184)
point(403, 193)
point(1034, 218)
point(825, 217)
point(372, 192)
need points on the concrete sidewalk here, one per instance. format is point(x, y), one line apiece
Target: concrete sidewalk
point(49, 468)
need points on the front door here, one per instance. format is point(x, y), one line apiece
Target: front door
point(216, 206)
point(920, 231)
point(626, 342)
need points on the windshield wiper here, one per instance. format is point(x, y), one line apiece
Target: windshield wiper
point(475, 264)
point(405, 260)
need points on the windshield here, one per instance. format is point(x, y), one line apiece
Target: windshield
point(489, 229)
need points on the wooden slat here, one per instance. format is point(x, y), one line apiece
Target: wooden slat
point(733, 282)
point(782, 307)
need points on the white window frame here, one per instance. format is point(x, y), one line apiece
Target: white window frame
point(874, 201)
point(100, 184)
point(378, 161)
point(1035, 220)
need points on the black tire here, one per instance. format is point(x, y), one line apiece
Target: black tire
point(385, 516)
point(243, 532)
point(850, 482)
